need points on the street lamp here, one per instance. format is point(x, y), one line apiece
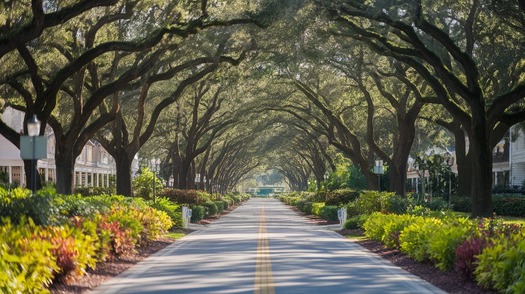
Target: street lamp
point(378, 170)
point(33, 130)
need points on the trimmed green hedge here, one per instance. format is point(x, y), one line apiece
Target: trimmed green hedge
point(329, 212)
point(341, 197)
point(197, 213)
point(503, 205)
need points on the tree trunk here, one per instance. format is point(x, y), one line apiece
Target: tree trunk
point(398, 178)
point(481, 159)
point(123, 165)
point(464, 165)
point(65, 170)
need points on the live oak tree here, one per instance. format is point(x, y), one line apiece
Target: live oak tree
point(96, 58)
point(20, 23)
point(451, 45)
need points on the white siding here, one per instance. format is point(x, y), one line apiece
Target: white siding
point(518, 160)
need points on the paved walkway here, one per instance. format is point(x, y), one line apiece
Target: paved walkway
point(264, 247)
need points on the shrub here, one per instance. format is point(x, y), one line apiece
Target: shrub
point(414, 239)
point(154, 223)
point(436, 204)
point(374, 226)
point(368, 202)
point(466, 255)
point(143, 184)
point(26, 262)
point(329, 212)
point(501, 266)
point(355, 222)
point(93, 191)
point(173, 210)
point(351, 210)
point(442, 243)
point(211, 208)
point(197, 213)
point(397, 204)
point(116, 240)
point(462, 204)
point(341, 196)
point(190, 197)
point(20, 203)
point(509, 205)
point(127, 217)
point(73, 250)
point(319, 196)
point(236, 198)
point(316, 208)
point(393, 227)
point(220, 206)
point(226, 203)
point(305, 206)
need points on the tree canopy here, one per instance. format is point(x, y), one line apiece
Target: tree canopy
point(222, 90)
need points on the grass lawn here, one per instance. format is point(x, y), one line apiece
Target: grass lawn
point(174, 235)
point(506, 219)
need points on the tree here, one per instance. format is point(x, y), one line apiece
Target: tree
point(97, 65)
point(445, 42)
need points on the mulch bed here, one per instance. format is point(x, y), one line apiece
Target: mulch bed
point(448, 281)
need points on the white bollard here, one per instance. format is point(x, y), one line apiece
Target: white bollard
point(186, 216)
point(341, 214)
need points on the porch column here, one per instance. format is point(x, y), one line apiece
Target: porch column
point(10, 172)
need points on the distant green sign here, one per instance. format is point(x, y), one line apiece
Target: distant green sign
point(265, 191)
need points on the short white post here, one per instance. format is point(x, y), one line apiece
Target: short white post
point(341, 214)
point(186, 216)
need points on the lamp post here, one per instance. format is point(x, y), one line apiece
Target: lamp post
point(33, 130)
point(378, 170)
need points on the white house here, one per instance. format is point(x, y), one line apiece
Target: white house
point(508, 167)
point(517, 159)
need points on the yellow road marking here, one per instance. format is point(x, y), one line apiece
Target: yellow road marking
point(263, 267)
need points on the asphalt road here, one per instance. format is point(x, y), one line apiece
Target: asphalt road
point(264, 247)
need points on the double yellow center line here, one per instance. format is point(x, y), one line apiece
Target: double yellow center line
point(263, 267)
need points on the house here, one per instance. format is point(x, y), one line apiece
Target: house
point(517, 157)
point(508, 162)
